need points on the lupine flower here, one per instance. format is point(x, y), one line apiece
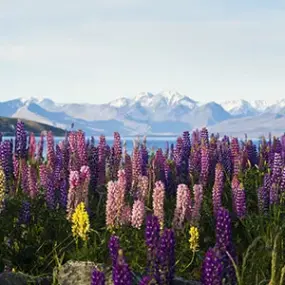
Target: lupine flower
point(81, 148)
point(6, 161)
point(98, 277)
point(121, 272)
point(111, 209)
point(183, 204)
point(40, 148)
point(2, 187)
point(32, 181)
point(80, 222)
point(218, 188)
point(235, 152)
point(194, 239)
point(114, 246)
point(205, 164)
point(263, 199)
point(43, 172)
point(32, 146)
point(147, 280)
point(125, 217)
point(74, 182)
point(128, 171)
point(102, 161)
point(274, 194)
point(136, 163)
point(20, 140)
point(117, 146)
point(212, 268)
point(50, 150)
point(234, 186)
point(198, 199)
point(178, 154)
point(24, 176)
point(223, 229)
point(50, 192)
point(84, 180)
point(138, 214)
point(142, 191)
point(25, 213)
point(158, 202)
point(240, 202)
point(277, 168)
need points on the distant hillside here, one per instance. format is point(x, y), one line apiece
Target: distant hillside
point(8, 125)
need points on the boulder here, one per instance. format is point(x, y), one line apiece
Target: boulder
point(17, 278)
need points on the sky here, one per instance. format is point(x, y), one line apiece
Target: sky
point(95, 51)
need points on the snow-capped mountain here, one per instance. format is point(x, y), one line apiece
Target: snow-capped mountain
point(167, 112)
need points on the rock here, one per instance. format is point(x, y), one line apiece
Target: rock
point(17, 278)
point(79, 273)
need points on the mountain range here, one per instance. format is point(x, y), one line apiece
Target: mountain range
point(164, 114)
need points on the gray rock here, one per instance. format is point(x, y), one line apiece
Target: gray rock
point(17, 278)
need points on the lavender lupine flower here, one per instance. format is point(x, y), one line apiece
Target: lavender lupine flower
point(226, 158)
point(186, 150)
point(183, 204)
point(165, 258)
point(136, 163)
point(240, 202)
point(282, 184)
point(50, 151)
point(138, 213)
point(102, 160)
point(98, 277)
point(212, 268)
point(152, 238)
point(235, 153)
point(25, 213)
point(277, 168)
point(158, 202)
point(74, 161)
point(198, 199)
point(32, 181)
point(218, 188)
point(195, 158)
point(6, 161)
point(121, 272)
point(205, 164)
point(40, 148)
point(263, 199)
point(20, 140)
point(81, 148)
point(43, 172)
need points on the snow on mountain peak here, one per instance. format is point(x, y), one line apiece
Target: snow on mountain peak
point(120, 102)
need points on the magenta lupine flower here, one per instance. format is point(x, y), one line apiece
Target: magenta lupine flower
point(198, 199)
point(205, 164)
point(50, 151)
point(240, 202)
point(32, 145)
point(212, 268)
point(20, 140)
point(98, 277)
point(40, 148)
point(81, 148)
point(102, 160)
point(32, 181)
point(158, 202)
point(138, 214)
point(143, 189)
point(24, 176)
point(136, 163)
point(218, 188)
point(183, 204)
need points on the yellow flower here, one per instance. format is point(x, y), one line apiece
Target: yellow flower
point(2, 186)
point(194, 238)
point(80, 222)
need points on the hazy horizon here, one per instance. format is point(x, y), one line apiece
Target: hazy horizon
point(95, 51)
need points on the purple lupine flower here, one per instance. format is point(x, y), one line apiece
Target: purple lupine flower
point(158, 166)
point(178, 153)
point(50, 192)
point(198, 199)
point(111, 165)
point(81, 148)
point(117, 152)
point(186, 150)
point(6, 161)
point(218, 188)
point(152, 238)
point(234, 185)
point(25, 213)
point(43, 175)
point(144, 157)
point(63, 193)
point(20, 140)
point(24, 176)
point(251, 152)
point(205, 136)
point(40, 148)
point(205, 164)
point(240, 202)
point(114, 246)
point(282, 184)
point(212, 268)
point(223, 229)
point(121, 272)
point(102, 160)
point(32, 145)
point(58, 166)
point(274, 194)
point(93, 162)
point(50, 151)
point(277, 168)
point(213, 153)
point(98, 277)
point(263, 199)
point(235, 153)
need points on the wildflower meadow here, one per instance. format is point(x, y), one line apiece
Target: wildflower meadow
point(208, 209)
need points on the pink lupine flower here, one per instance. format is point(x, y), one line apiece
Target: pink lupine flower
point(85, 176)
point(138, 214)
point(126, 215)
point(111, 209)
point(198, 199)
point(158, 202)
point(74, 182)
point(24, 176)
point(32, 181)
point(143, 190)
point(183, 204)
point(234, 185)
point(81, 148)
point(218, 188)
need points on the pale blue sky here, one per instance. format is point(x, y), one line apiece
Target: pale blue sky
point(95, 51)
